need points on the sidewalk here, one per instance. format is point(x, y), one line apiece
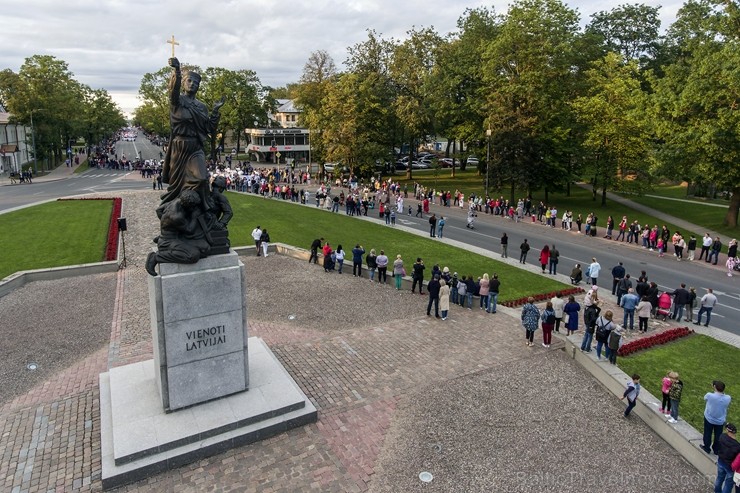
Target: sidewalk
point(59, 173)
point(684, 225)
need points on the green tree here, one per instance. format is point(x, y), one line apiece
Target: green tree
point(411, 69)
point(457, 85)
point(319, 73)
point(617, 134)
point(631, 30)
point(529, 79)
point(46, 90)
point(696, 103)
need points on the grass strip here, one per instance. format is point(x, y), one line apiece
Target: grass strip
point(299, 226)
point(54, 234)
point(699, 360)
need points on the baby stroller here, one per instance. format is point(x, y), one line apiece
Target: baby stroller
point(664, 306)
point(330, 261)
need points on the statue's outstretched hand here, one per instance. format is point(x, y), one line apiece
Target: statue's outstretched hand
point(219, 103)
point(174, 63)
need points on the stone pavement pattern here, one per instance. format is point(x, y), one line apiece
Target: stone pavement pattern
point(386, 379)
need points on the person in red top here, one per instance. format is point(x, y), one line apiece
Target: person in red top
point(544, 257)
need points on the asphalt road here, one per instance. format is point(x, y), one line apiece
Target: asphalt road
point(574, 248)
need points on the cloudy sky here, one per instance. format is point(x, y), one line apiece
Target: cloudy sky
point(110, 44)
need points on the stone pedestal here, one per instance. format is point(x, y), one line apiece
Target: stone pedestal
point(199, 330)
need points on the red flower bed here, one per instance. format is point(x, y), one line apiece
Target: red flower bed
point(111, 247)
point(654, 340)
point(541, 297)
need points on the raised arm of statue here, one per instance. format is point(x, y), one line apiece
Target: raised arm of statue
point(175, 82)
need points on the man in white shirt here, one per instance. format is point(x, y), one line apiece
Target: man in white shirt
point(706, 243)
point(707, 304)
point(257, 236)
point(593, 271)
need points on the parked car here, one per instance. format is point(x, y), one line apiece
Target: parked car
point(400, 166)
point(446, 162)
point(329, 167)
point(472, 160)
point(419, 165)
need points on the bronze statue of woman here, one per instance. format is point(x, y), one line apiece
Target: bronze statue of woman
point(185, 161)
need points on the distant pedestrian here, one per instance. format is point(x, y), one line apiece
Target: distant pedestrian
point(444, 298)
point(440, 226)
point(433, 226)
point(257, 237)
point(544, 257)
point(494, 287)
point(382, 262)
point(504, 245)
point(523, 248)
point(548, 324)
point(706, 306)
point(418, 276)
point(614, 342)
point(554, 258)
point(357, 253)
point(433, 288)
point(571, 309)
point(530, 320)
point(315, 245)
point(372, 264)
point(340, 258)
point(631, 393)
point(398, 270)
point(643, 313)
point(593, 271)
point(265, 241)
point(558, 303)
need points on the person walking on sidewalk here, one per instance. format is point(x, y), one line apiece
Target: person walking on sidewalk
point(631, 393)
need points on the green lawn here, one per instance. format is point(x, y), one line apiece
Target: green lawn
point(698, 360)
point(299, 226)
point(54, 234)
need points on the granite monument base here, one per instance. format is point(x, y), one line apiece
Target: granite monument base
point(140, 439)
point(199, 330)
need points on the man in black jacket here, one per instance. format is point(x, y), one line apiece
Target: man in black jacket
point(680, 299)
point(433, 289)
point(418, 276)
point(315, 250)
point(617, 275)
point(727, 449)
point(524, 247)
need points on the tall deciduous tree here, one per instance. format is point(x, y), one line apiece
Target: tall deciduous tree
point(697, 102)
point(319, 73)
point(528, 71)
point(631, 30)
point(411, 70)
point(613, 112)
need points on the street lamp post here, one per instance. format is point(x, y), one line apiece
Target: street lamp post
point(488, 155)
point(33, 141)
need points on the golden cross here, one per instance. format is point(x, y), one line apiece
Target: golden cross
point(173, 43)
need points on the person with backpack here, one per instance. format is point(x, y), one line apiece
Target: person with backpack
point(548, 324)
point(590, 315)
point(614, 341)
point(674, 393)
point(604, 326)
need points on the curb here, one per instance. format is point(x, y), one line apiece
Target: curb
point(682, 437)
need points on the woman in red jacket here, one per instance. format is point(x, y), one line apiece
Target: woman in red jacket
point(544, 257)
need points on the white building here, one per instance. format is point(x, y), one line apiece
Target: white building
point(14, 149)
point(287, 143)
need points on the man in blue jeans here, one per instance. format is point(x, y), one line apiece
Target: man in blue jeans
point(494, 287)
point(629, 303)
point(715, 414)
point(729, 448)
point(707, 304)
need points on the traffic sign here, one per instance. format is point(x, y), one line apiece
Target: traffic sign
point(277, 154)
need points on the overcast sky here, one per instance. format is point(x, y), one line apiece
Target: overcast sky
point(110, 44)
